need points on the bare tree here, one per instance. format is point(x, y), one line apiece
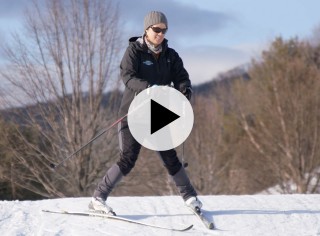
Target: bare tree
point(204, 146)
point(278, 110)
point(59, 71)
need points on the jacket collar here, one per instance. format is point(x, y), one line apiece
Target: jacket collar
point(140, 44)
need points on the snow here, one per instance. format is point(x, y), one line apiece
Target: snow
point(233, 215)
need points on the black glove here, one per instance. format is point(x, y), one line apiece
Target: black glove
point(187, 91)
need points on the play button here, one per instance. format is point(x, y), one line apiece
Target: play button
point(160, 118)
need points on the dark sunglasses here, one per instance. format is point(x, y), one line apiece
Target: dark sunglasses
point(159, 30)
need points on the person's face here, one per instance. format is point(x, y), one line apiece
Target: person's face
point(155, 33)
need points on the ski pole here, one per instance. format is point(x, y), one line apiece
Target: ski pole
point(53, 166)
point(184, 163)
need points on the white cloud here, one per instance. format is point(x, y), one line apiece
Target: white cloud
point(187, 25)
point(184, 20)
point(206, 62)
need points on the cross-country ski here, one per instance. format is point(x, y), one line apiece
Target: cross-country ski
point(112, 217)
point(204, 219)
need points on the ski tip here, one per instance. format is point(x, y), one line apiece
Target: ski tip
point(188, 228)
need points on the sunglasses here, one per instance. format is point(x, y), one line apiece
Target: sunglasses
point(159, 30)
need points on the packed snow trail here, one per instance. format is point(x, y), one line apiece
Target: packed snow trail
point(233, 215)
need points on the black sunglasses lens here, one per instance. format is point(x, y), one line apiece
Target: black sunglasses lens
point(158, 30)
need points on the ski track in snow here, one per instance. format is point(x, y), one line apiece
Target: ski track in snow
point(233, 215)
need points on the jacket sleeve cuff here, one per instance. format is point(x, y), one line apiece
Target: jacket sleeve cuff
point(137, 85)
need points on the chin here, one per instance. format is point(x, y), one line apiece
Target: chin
point(158, 42)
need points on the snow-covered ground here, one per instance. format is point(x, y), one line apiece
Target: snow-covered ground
point(233, 215)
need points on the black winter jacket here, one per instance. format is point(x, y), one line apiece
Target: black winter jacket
point(140, 69)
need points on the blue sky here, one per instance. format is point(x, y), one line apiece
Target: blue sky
point(211, 36)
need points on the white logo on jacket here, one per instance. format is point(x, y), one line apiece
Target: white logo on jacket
point(148, 63)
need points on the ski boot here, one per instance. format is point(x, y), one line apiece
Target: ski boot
point(194, 204)
point(98, 205)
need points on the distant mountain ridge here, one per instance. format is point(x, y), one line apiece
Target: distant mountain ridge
point(223, 79)
point(112, 99)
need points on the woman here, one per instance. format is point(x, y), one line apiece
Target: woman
point(147, 61)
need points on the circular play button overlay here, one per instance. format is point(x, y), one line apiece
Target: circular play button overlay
point(160, 118)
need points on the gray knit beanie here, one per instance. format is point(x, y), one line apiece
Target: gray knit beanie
point(153, 18)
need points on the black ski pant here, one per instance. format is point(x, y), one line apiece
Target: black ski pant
point(130, 148)
point(129, 152)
